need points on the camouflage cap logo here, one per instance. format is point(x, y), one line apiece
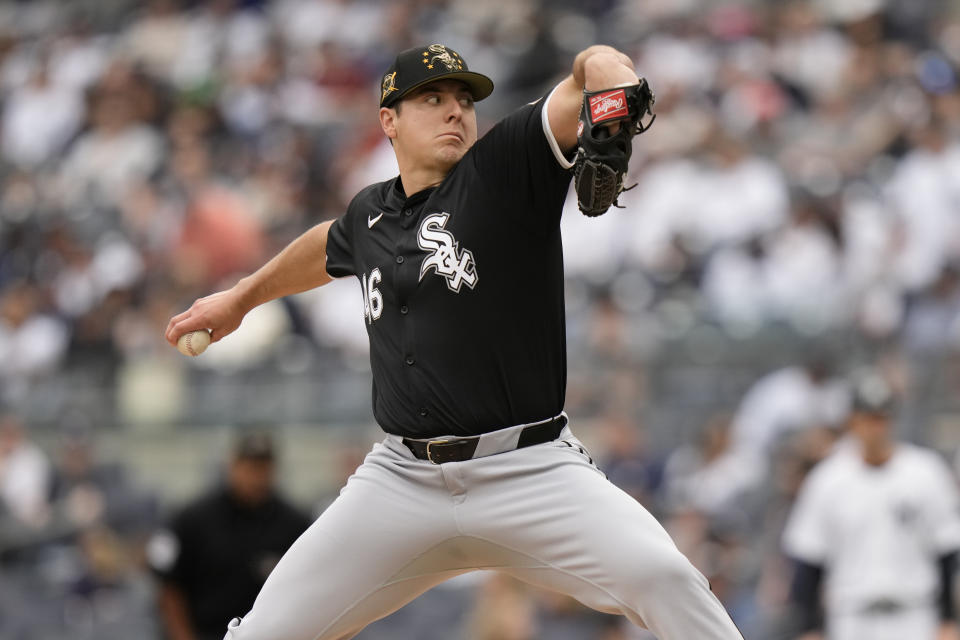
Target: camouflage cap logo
point(438, 53)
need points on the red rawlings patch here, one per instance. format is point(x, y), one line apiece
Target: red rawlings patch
point(609, 105)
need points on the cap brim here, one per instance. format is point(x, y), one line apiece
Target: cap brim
point(480, 85)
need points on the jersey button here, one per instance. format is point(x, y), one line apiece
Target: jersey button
point(423, 412)
point(408, 212)
point(404, 309)
point(399, 259)
point(409, 361)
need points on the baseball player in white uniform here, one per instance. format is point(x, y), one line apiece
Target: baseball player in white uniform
point(460, 264)
point(879, 521)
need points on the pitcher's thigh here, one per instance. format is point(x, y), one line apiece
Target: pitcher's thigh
point(594, 542)
point(353, 565)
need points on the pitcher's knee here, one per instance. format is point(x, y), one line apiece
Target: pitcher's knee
point(669, 572)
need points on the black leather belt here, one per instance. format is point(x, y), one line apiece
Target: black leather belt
point(459, 449)
point(884, 606)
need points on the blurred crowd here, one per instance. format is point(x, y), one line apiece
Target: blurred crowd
point(150, 152)
point(803, 176)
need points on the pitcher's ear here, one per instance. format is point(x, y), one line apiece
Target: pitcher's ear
point(388, 121)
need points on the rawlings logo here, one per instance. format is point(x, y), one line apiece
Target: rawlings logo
point(609, 105)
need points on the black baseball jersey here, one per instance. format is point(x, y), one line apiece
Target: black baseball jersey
point(463, 287)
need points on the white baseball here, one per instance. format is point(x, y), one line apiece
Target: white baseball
point(193, 343)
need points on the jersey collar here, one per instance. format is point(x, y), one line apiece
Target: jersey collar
point(399, 199)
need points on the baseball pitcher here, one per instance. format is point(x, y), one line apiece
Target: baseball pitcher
point(459, 262)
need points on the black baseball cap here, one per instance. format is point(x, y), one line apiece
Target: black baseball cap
point(873, 395)
point(254, 446)
point(420, 65)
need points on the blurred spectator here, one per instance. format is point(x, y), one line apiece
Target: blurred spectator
point(738, 195)
point(306, 23)
point(90, 552)
point(933, 322)
point(113, 155)
point(39, 119)
point(786, 400)
point(730, 196)
point(250, 99)
point(712, 477)
point(218, 35)
point(437, 614)
point(224, 127)
point(156, 38)
point(504, 611)
point(220, 236)
point(808, 55)
point(107, 595)
point(51, 507)
point(79, 55)
point(560, 617)
point(96, 491)
point(800, 258)
point(220, 548)
point(90, 274)
point(878, 522)
point(801, 183)
point(624, 459)
point(734, 287)
point(25, 474)
point(923, 192)
point(32, 342)
point(867, 228)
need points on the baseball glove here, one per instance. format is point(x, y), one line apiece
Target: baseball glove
point(602, 158)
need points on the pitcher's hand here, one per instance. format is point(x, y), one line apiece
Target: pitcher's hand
point(220, 312)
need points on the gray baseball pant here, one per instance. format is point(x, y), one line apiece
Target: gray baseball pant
point(544, 514)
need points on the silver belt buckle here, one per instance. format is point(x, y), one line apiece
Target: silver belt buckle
point(432, 442)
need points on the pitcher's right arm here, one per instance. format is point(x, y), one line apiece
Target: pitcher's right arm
point(302, 265)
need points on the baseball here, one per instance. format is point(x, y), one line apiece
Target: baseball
point(194, 343)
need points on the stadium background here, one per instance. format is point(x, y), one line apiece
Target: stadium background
point(798, 209)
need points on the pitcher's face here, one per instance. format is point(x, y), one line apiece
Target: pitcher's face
point(435, 125)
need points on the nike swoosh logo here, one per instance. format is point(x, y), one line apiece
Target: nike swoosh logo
point(373, 221)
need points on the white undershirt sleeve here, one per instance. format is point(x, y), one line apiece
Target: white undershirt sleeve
point(548, 132)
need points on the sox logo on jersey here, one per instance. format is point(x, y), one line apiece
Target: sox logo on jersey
point(456, 266)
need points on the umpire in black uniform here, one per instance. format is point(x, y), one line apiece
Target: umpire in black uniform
point(220, 548)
